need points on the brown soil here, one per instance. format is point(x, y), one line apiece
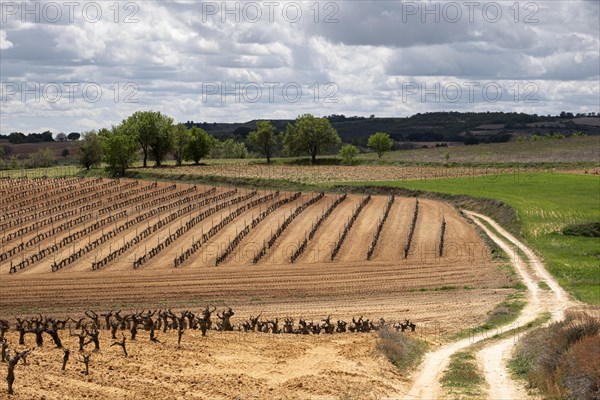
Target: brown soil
point(441, 294)
point(219, 366)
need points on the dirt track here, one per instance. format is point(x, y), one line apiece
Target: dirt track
point(494, 356)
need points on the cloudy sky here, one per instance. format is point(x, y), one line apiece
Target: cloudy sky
point(77, 66)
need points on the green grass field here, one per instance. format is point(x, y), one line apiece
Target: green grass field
point(545, 203)
point(582, 150)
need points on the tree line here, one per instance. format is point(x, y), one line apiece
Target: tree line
point(152, 136)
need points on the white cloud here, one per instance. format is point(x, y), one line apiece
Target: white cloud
point(174, 50)
point(4, 42)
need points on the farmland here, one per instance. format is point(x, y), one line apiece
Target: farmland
point(218, 366)
point(76, 244)
point(582, 150)
point(319, 174)
point(169, 236)
point(73, 244)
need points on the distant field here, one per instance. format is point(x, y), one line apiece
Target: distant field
point(572, 150)
point(545, 203)
point(35, 173)
point(23, 150)
point(320, 174)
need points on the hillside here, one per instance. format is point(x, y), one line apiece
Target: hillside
point(487, 127)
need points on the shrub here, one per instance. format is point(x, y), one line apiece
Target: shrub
point(348, 154)
point(402, 351)
point(581, 368)
point(380, 142)
point(554, 359)
point(591, 229)
point(229, 149)
point(41, 158)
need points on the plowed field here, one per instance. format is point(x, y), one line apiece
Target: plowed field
point(440, 292)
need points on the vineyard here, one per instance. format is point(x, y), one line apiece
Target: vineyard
point(75, 225)
point(329, 173)
point(138, 242)
point(280, 259)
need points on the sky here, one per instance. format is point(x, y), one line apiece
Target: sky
point(76, 66)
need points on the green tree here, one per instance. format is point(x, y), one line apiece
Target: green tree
point(41, 158)
point(90, 151)
point(446, 156)
point(163, 141)
point(380, 142)
point(264, 138)
point(310, 135)
point(73, 136)
point(199, 145)
point(17, 137)
point(65, 153)
point(119, 150)
point(3, 153)
point(229, 149)
point(348, 154)
point(14, 162)
point(152, 131)
point(181, 138)
point(46, 136)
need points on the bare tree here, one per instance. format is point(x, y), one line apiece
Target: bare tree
point(85, 359)
point(225, 316)
point(66, 355)
point(94, 335)
point(134, 324)
point(81, 335)
point(53, 332)
point(21, 329)
point(94, 317)
point(150, 325)
point(4, 348)
point(23, 355)
point(3, 327)
point(10, 377)
point(114, 325)
point(205, 322)
point(107, 316)
point(39, 339)
point(122, 344)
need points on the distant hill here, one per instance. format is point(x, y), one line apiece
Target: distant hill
point(470, 128)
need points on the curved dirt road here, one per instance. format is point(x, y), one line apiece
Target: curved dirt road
point(493, 357)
